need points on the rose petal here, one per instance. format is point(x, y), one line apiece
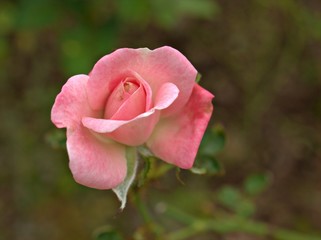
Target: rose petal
point(109, 71)
point(167, 95)
point(118, 97)
point(148, 90)
point(71, 103)
point(95, 163)
point(177, 138)
point(166, 64)
point(136, 131)
point(133, 106)
point(157, 67)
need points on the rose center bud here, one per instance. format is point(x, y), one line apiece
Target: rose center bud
point(130, 87)
point(126, 101)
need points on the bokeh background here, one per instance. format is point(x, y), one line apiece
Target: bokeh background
point(261, 59)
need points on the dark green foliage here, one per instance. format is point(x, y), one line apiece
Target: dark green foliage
point(213, 142)
point(107, 233)
point(256, 184)
point(261, 60)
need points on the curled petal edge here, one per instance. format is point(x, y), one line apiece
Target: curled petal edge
point(167, 94)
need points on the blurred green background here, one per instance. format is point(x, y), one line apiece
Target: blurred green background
point(261, 59)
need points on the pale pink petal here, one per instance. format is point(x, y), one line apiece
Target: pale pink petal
point(136, 131)
point(108, 125)
point(176, 138)
point(96, 163)
point(166, 96)
point(148, 90)
point(166, 64)
point(109, 71)
point(118, 97)
point(135, 105)
point(156, 67)
point(71, 103)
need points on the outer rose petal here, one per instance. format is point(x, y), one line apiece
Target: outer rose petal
point(157, 67)
point(176, 139)
point(71, 103)
point(136, 131)
point(166, 64)
point(95, 163)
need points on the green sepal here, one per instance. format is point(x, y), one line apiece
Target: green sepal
point(207, 165)
point(198, 77)
point(122, 190)
point(143, 176)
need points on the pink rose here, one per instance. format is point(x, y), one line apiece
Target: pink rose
point(131, 97)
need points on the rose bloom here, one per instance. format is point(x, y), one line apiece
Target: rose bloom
point(130, 98)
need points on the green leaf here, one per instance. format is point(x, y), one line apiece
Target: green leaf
point(199, 171)
point(212, 166)
point(213, 141)
point(159, 169)
point(56, 139)
point(256, 183)
point(107, 233)
point(207, 165)
point(198, 77)
point(144, 173)
point(122, 189)
point(245, 208)
point(229, 197)
point(232, 198)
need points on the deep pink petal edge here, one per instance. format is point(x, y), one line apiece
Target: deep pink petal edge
point(177, 138)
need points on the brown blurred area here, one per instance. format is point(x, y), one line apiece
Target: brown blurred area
point(261, 59)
